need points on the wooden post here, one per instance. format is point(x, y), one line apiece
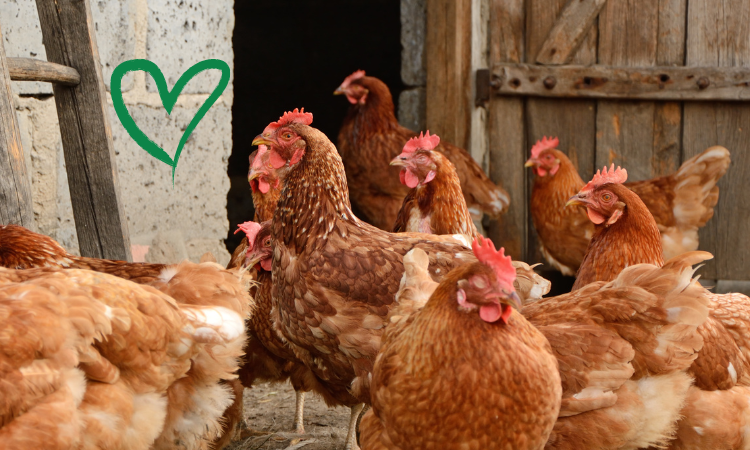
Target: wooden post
point(68, 37)
point(448, 46)
point(15, 189)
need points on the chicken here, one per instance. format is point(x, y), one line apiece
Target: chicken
point(96, 361)
point(196, 401)
point(681, 203)
point(268, 357)
point(334, 276)
point(624, 350)
point(435, 204)
point(625, 233)
point(617, 391)
point(465, 371)
point(722, 365)
point(371, 137)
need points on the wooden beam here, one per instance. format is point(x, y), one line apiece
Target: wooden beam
point(15, 187)
point(29, 69)
point(569, 31)
point(627, 83)
point(448, 92)
point(68, 36)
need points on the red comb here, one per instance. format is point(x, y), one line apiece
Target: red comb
point(251, 230)
point(485, 252)
point(296, 116)
point(355, 76)
point(542, 145)
point(423, 141)
point(601, 177)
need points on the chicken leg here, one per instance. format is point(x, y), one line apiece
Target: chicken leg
point(351, 436)
point(299, 424)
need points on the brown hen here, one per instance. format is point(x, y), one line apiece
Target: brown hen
point(435, 204)
point(722, 363)
point(197, 401)
point(463, 371)
point(371, 137)
point(334, 276)
point(681, 203)
point(136, 347)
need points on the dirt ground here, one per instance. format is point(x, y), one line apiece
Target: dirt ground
point(269, 408)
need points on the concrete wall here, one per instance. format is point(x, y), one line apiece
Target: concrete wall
point(178, 222)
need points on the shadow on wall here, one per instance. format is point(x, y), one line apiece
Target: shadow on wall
point(290, 54)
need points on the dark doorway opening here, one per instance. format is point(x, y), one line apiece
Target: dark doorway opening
point(294, 53)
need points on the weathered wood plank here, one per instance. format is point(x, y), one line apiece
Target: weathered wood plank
point(627, 38)
point(608, 82)
point(68, 37)
point(448, 92)
point(720, 36)
point(670, 51)
point(30, 69)
point(506, 129)
point(571, 120)
point(569, 31)
point(15, 187)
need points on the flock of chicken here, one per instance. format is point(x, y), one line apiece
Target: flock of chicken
point(447, 340)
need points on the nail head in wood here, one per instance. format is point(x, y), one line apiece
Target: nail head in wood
point(550, 82)
point(703, 83)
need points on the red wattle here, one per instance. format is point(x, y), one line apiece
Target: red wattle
point(263, 185)
point(490, 313)
point(412, 180)
point(595, 216)
point(266, 264)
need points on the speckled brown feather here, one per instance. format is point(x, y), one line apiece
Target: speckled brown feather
point(371, 136)
point(335, 276)
point(450, 380)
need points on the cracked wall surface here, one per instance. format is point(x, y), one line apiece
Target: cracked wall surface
point(184, 220)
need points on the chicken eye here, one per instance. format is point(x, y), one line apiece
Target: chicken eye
point(287, 135)
point(548, 157)
point(606, 197)
point(267, 243)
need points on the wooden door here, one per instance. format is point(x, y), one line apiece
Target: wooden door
point(648, 126)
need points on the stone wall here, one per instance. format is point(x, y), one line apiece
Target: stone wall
point(411, 102)
point(180, 221)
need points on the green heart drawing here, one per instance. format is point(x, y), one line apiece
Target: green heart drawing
point(168, 99)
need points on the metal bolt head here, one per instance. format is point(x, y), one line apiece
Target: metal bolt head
point(703, 82)
point(550, 82)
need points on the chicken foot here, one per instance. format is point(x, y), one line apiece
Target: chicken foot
point(351, 436)
point(299, 424)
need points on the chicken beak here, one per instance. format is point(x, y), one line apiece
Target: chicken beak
point(261, 140)
point(251, 259)
point(513, 300)
point(339, 91)
point(253, 174)
point(576, 200)
point(530, 163)
point(400, 160)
